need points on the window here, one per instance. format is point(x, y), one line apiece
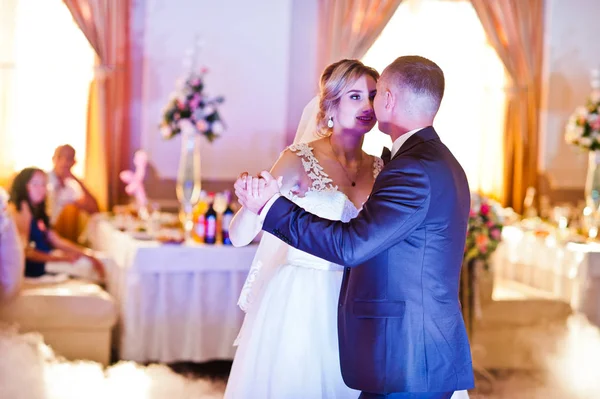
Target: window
point(52, 67)
point(471, 118)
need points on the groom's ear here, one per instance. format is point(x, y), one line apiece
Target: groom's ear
point(390, 100)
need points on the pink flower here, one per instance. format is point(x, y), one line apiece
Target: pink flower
point(472, 213)
point(485, 208)
point(489, 223)
point(202, 126)
point(595, 124)
point(180, 104)
point(495, 234)
point(195, 101)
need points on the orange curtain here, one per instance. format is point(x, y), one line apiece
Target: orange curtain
point(515, 28)
point(105, 23)
point(348, 28)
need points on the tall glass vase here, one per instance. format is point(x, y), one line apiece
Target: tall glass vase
point(188, 176)
point(592, 182)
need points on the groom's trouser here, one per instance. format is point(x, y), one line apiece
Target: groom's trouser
point(407, 395)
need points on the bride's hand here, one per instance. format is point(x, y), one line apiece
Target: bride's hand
point(240, 184)
point(246, 191)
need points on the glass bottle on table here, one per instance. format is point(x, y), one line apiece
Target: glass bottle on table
point(188, 175)
point(199, 218)
point(210, 220)
point(226, 219)
point(545, 208)
point(219, 205)
point(529, 210)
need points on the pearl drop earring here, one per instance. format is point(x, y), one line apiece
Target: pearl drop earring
point(330, 122)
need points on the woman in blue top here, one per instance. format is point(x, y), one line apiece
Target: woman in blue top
point(28, 203)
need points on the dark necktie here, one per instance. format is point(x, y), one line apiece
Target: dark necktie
point(386, 155)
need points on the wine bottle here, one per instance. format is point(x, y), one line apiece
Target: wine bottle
point(199, 219)
point(210, 218)
point(226, 219)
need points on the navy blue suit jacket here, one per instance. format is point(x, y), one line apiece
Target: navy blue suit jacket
point(399, 322)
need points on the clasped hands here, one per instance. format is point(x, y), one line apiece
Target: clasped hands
point(254, 192)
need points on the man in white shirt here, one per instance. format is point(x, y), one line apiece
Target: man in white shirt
point(64, 188)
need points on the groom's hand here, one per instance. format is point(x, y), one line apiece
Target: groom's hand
point(271, 187)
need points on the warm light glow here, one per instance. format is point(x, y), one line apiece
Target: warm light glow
point(53, 70)
point(471, 117)
point(7, 19)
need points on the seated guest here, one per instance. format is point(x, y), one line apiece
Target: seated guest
point(46, 251)
point(64, 188)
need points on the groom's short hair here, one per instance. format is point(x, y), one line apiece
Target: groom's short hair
point(418, 74)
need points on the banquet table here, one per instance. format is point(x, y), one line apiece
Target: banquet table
point(177, 302)
point(559, 268)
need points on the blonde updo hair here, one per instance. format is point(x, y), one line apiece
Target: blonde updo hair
point(335, 80)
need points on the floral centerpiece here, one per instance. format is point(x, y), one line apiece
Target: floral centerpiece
point(189, 103)
point(583, 131)
point(484, 233)
point(191, 113)
point(485, 229)
point(583, 127)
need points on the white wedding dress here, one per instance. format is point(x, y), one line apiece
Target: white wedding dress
point(291, 351)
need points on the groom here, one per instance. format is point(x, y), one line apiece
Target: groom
point(401, 332)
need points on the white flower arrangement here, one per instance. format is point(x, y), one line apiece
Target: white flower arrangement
point(583, 126)
point(191, 104)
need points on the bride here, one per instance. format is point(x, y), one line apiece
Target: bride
point(288, 344)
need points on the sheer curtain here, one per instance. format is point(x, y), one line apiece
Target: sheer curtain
point(349, 27)
point(515, 29)
point(105, 24)
point(471, 118)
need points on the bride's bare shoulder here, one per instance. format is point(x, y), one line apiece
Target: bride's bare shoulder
point(319, 145)
point(291, 167)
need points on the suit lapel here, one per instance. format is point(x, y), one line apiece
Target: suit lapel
point(421, 136)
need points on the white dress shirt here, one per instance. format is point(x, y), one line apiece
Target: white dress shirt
point(61, 194)
point(401, 140)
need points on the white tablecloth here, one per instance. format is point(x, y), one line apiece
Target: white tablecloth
point(177, 302)
point(563, 270)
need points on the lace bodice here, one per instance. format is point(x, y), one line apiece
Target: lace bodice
point(322, 199)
